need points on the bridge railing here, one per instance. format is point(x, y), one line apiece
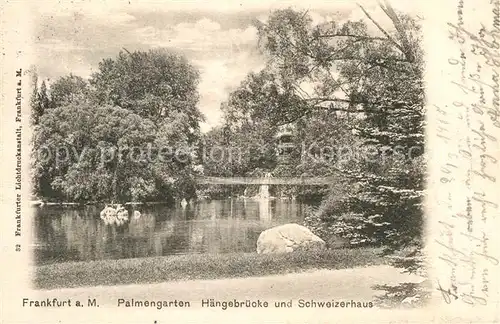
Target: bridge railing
point(305, 181)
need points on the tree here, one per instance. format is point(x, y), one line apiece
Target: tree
point(102, 153)
point(178, 156)
point(238, 151)
point(69, 89)
point(253, 116)
point(247, 131)
point(327, 57)
point(139, 102)
point(378, 79)
point(39, 100)
point(91, 152)
point(153, 85)
point(37, 108)
point(262, 97)
point(44, 97)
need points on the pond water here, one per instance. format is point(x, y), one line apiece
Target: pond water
point(218, 226)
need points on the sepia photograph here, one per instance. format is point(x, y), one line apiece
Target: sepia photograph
point(254, 156)
point(195, 145)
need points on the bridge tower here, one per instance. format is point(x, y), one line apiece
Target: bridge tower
point(286, 146)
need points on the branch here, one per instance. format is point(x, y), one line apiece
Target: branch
point(292, 120)
point(389, 11)
point(304, 14)
point(301, 92)
point(330, 108)
point(330, 57)
point(383, 30)
point(308, 111)
point(327, 99)
point(337, 82)
point(377, 62)
point(355, 36)
point(126, 50)
point(285, 39)
point(374, 58)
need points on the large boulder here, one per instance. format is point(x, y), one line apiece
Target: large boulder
point(288, 238)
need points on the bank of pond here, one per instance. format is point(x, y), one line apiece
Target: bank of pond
point(198, 266)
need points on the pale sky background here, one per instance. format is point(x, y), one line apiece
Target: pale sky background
point(217, 37)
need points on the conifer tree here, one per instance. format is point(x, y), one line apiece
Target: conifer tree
point(35, 103)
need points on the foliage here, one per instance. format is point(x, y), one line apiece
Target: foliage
point(39, 100)
point(95, 134)
point(244, 145)
point(245, 152)
point(153, 84)
point(379, 80)
point(261, 97)
point(69, 89)
point(342, 87)
point(125, 134)
point(36, 107)
point(251, 124)
point(404, 295)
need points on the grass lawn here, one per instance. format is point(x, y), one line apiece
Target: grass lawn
point(198, 266)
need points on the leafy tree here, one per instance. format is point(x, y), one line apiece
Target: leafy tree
point(247, 136)
point(177, 154)
point(139, 102)
point(253, 115)
point(238, 151)
point(153, 85)
point(39, 99)
point(377, 81)
point(110, 153)
point(44, 100)
point(261, 97)
point(90, 149)
point(327, 147)
point(35, 104)
point(39, 103)
point(69, 89)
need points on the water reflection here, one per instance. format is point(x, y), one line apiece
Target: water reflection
point(232, 225)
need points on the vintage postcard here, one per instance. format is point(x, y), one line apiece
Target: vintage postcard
point(250, 161)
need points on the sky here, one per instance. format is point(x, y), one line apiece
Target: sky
point(216, 36)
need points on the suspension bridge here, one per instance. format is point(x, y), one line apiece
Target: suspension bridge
point(267, 180)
